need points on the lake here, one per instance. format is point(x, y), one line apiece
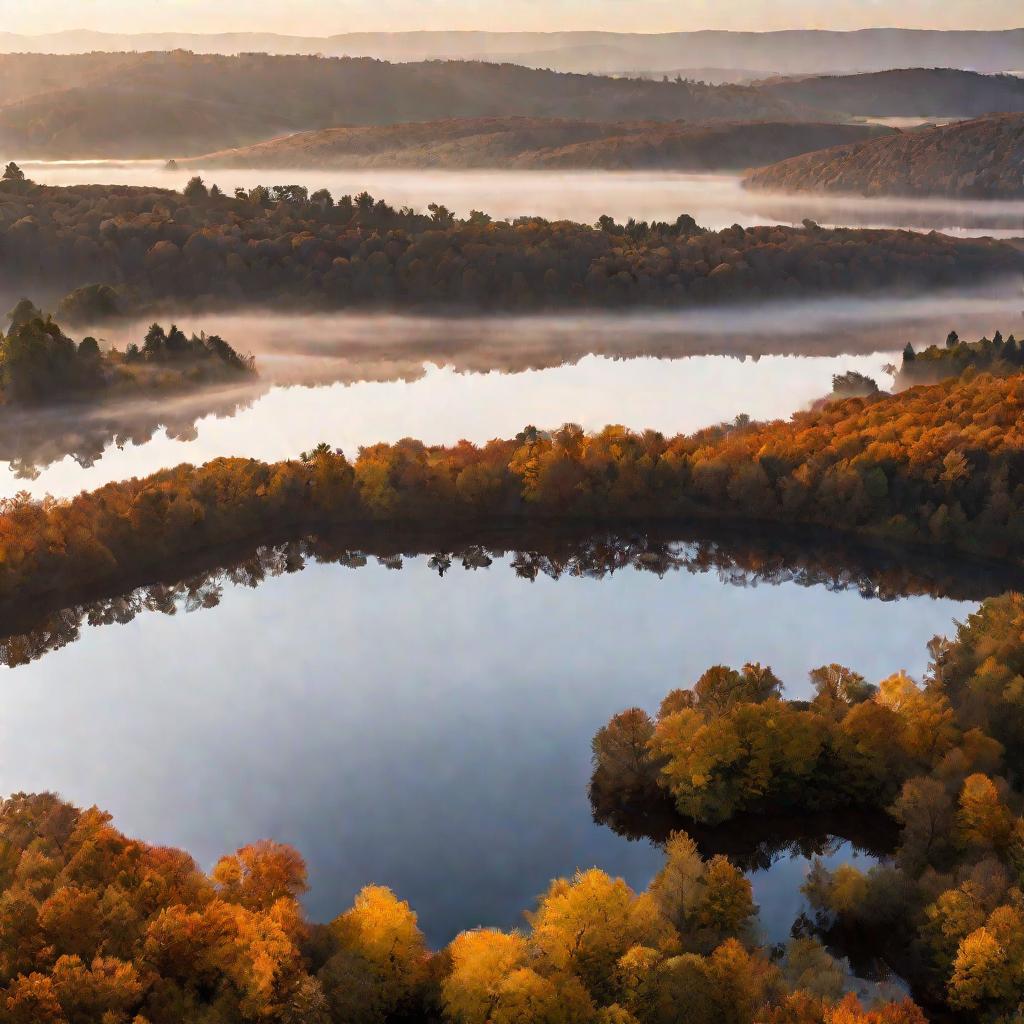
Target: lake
point(425, 731)
point(715, 200)
point(354, 379)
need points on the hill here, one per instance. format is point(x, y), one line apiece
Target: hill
point(906, 92)
point(530, 143)
point(159, 104)
point(973, 159)
point(788, 52)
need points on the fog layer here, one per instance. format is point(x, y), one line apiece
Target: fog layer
point(715, 200)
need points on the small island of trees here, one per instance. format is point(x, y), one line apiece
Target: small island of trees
point(40, 364)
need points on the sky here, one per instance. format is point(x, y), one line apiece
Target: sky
point(326, 17)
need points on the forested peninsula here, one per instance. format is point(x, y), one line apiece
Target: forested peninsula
point(938, 758)
point(287, 248)
point(937, 465)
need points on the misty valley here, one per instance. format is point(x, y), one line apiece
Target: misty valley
point(559, 520)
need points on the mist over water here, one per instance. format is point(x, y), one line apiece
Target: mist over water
point(356, 379)
point(441, 406)
point(715, 200)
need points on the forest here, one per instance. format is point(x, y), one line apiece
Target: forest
point(978, 159)
point(532, 143)
point(96, 926)
point(180, 103)
point(40, 364)
point(937, 757)
point(936, 466)
point(905, 92)
point(283, 246)
point(183, 104)
point(99, 927)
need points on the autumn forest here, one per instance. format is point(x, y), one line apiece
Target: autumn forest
point(510, 527)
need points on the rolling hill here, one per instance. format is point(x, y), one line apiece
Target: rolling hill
point(543, 143)
point(162, 104)
point(983, 158)
point(905, 92)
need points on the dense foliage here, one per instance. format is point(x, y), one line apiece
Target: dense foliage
point(973, 159)
point(544, 143)
point(937, 465)
point(941, 758)
point(40, 363)
point(96, 927)
point(284, 246)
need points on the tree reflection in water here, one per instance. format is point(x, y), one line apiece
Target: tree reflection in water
point(770, 559)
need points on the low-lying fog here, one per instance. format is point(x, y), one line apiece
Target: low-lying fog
point(715, 200)
point(355, 379)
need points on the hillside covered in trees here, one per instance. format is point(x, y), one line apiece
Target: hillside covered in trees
point(935, 466)
point(179, 103)
point(545, 143)
point(285, 247)
point(95, 926)
point(979, 159)
point(905, 92)
point(938, 758)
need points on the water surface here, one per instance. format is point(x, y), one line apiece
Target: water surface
point(427, 732)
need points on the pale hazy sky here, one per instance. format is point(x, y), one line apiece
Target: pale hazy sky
point(324, 17)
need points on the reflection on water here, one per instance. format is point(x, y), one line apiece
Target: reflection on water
point(443, 379)
point(715, 200)
point(438, 406)
point(738, 558)
point(429, 732)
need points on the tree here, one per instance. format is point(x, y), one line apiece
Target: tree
point(983, 820)
point(584, 925)
point(24, 312)
point(259, 875)
point(383, 953)
point(195, 189)
point(12, 172)
point(481, 960)
point(925, 811)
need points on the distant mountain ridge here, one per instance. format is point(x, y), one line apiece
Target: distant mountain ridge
point(788, 52)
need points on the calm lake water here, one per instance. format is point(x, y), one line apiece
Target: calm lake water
point(428, 733)
point(353, 379)
point(438, 405)
point(715, 200)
